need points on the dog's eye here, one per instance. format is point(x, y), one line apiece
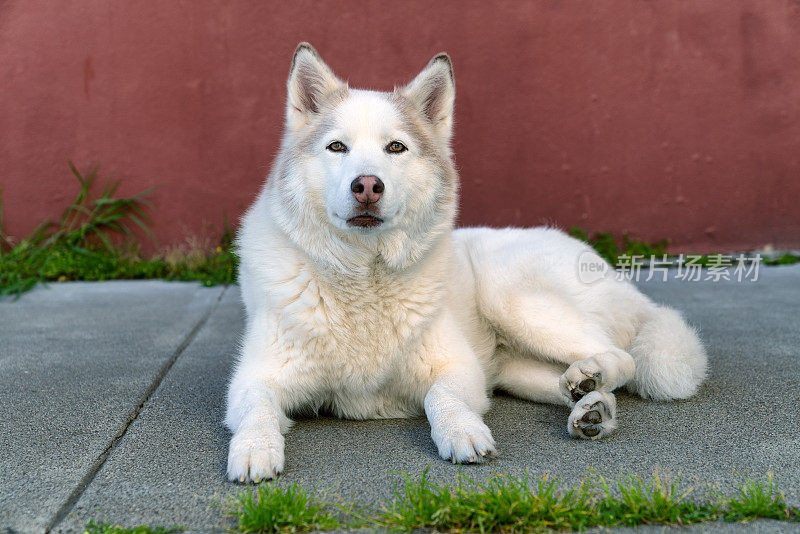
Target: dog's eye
point(337, 146)
point(395, 147)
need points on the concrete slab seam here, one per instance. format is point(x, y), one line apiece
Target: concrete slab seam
point(72, 499)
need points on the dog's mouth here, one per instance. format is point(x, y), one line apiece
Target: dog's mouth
point(364, 221)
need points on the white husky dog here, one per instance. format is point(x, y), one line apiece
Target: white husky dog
point(364, 302)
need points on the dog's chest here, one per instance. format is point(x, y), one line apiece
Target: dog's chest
point(360, 335)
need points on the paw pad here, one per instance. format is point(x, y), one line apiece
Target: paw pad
point(584, 387)
point(594, 416)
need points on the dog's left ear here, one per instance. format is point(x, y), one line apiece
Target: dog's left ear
point(433, 91)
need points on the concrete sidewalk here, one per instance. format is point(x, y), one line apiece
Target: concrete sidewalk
point(112, 394)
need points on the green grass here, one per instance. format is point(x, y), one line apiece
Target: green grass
point(268, 508)
point(508, 504)
point(503, 504)
point(612, 249)
point(783, 259)
point(94, 240)
point(758, 499)
point(633, 501)
point(108, 528)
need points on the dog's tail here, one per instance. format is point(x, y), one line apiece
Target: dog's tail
point(671, 362)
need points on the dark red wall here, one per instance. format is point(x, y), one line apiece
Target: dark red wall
point(660, 118)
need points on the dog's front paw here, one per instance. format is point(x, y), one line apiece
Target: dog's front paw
point(594, 416)
point(255, 455)
point(465, 440)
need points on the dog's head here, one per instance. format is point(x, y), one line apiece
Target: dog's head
point(369, 170)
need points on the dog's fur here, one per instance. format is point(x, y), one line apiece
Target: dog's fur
point(408, 315)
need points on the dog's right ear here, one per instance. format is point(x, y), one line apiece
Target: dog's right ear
point(310, 83)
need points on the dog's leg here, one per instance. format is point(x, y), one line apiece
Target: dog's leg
point(457, 397)
point(528, 378)
point(458, 431)
point(549, 327)
point(592, 417)
point(257, 401)
point(258, 425)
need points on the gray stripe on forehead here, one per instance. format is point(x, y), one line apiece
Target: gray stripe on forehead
point(412, 122)
point(324, 120)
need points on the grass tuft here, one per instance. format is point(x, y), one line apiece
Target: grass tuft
point(783, 259)
point(503, 504)
point(94, 240)
point(108, 528)
point(610, 249)
point(757, 499)
point(269, 508)
point(637, 502)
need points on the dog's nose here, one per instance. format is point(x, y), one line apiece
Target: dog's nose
point(367, 188)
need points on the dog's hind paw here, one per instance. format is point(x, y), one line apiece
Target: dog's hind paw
point(581, 378)
point(604, 371)
point(594, 416)
point(255, 456)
